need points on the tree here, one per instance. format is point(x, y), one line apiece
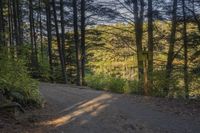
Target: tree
point(76, 40)
point(185, 43)
point(49, 36)
point(170, 57)
point(138, 15)
point(60, 48)
point(1, 24)
point(83, 50)
point(150, 45)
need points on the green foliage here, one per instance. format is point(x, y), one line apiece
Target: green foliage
point(16, 83)
point(108, 83)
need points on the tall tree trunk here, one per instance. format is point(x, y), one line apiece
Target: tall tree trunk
point(63, 36)
point(138, 15)
point(9, 24)
point(83, 50)
point(19, 21)
point(76, 40)
point(150, 46)
point(185, 43)
point(1, 24)
point(60, 48)
point(33, 36)
point(41, 31)
point(15, 20)
point(169, 66)
point(49, 28)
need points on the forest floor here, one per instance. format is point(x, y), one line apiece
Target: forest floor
point(71, 109)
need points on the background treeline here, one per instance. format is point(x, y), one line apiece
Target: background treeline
point(149, 47)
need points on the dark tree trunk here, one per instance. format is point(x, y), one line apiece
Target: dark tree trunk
point(60, 48)
point(169, 66)
point(76, 40)
point(63, 36)
point(41, 31)
point(15, 21)
point(185, 43)
point(49, 28)
point(138, 15)
point(1, 24)
point(83, 50)
point(33, 36)
point(150, 46)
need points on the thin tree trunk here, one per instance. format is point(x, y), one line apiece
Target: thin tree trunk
point(49, 28)
point(63, 36)
point(1, 23)
point(32, 36)
point(41, 31)
point(62, 58)
point(139, 34)
point(185, 43)
point(15, 19)
point(9, 25)
point(169, 66)
point(150, 46)
point(83, 50)
point(19, 22)
point(76, 40)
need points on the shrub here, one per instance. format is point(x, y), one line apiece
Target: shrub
point(113, 84)
point(16, 83)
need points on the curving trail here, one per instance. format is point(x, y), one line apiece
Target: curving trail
point(71, 109)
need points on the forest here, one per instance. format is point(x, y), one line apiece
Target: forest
point(137, 47)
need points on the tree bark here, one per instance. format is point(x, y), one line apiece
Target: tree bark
point(169, 66)
point(63, 36)
point(138, 15)
point(49, 28)
point(83, 50)
point(185, 43)
point(150, 46)
point(61, 56)
point(2, 25)
point(76, 40)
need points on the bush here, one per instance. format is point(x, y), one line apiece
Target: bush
point(108, 83)
point(16, 83)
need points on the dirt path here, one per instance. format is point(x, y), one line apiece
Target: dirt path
point(79, 110)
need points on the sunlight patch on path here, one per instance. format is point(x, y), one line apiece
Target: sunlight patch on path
point(92, 107)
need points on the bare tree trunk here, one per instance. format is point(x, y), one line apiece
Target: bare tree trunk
point(1, 24)
point(33, 36)
point(76, 40)
point(169, 66)
point(15, 19)
point(150, 46)
point(138, 14)
point(83, 50)
point(63, 36)
point(49, 28)
point(41, 31)
point(62, 58)
point(185, 43)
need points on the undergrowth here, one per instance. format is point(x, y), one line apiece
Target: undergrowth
point(15, 82)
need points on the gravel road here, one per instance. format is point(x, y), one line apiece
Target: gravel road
point(72, 109)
